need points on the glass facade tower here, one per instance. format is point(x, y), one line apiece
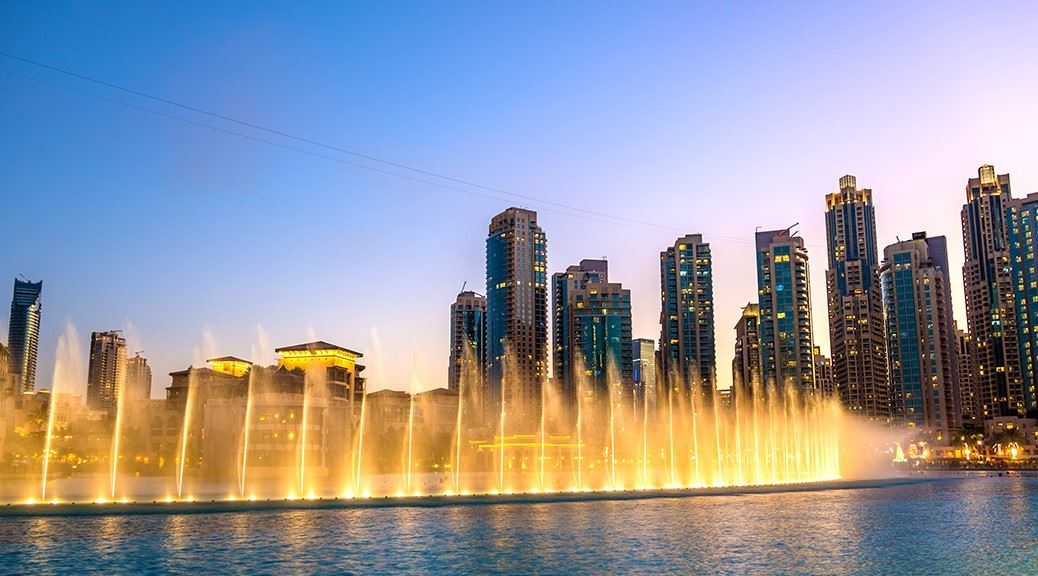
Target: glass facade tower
point(23, 336)
point(517, 312)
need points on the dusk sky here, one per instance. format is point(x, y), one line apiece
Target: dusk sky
point(689, 119)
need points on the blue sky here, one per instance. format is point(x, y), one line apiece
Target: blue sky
point(697, 118)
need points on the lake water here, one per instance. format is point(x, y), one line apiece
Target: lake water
point(936, 525)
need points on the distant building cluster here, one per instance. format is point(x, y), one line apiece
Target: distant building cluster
point(897, 355)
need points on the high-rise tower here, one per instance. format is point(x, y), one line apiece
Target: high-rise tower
point(106, 378)
point(592, 333)
point(517, 311)
point(746, 363)
point(468, 338)
point(23, 336)
point(138, 378)
point(990, 307)
point(687, 351)
point(920, 351)
point(1022, 227)
point(856, 338)
point(643, 359)
point(783, 286)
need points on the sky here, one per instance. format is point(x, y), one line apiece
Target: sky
point(201, 236)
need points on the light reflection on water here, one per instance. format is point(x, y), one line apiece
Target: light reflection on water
point(953, 526)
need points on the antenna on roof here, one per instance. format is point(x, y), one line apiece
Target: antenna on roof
point(464, 284)
point(24, 277)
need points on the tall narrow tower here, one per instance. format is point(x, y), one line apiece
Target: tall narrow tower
point(1022, 225)
point(592, 334)
point(687, 350)
point(783, 286)
point(856, 338)
point(746, 363)
point(990, 308)
point(517, 312)
point(23, 336)
point(921, 353)
point(468, 339)
point(106, 378)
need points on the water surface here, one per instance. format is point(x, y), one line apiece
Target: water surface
point(961, 525)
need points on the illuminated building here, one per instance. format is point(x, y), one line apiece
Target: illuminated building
point(687, 352)
point(7, 382)
point(138, 378)
point(746, 363)
point(23, 336)
point(855, 303)
point(1022, 227)
point(783, 288)
point(468, 339)
point(969, 398)
point(919, 350)
point(517, 312)
point(230, 365)
point(824, 373)
point(106, 377)
point(319, 378)
point(592, 332)
point(643, 362)
point(990, 302)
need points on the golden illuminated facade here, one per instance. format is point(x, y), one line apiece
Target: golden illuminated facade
point(230, 365)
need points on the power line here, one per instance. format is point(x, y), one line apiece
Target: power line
point(304, 151)
point(490, 192)
point(312, 142)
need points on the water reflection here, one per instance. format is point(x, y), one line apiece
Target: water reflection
point(955, 525)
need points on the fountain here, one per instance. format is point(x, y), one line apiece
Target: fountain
point(273, 433)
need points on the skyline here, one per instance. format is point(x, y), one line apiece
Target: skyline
point(230, 192)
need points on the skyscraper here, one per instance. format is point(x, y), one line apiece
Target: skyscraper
point(643, 359)
point(592, 333)
point(969, 398)
point(468, 338)
point(138, 378)
point(783, 286)
point(990, 303)
point(687, 352)
point(920, 352)
point(937, 248)
point(855, 304)
point(23, 336)
point(746, 363)
point(106, 376)
point(824, 373)
point(1022, 227)
point(517, 311)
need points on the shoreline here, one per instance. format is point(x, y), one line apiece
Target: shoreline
point(12, 510)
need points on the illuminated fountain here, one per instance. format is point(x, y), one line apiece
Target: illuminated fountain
point(310, 428)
